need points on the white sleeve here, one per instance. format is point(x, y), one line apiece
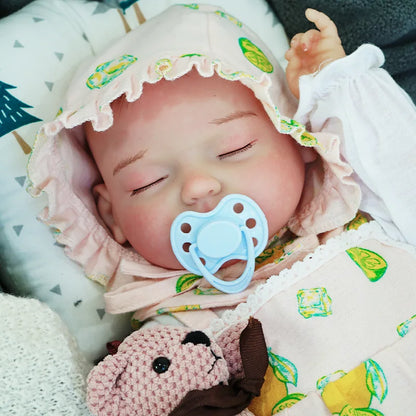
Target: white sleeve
point(376, 120)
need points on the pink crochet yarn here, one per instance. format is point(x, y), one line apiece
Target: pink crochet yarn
point(152, 371)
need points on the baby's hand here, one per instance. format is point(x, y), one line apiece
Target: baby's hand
point(312, 50)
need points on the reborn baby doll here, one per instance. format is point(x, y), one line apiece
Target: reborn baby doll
point(191, 108)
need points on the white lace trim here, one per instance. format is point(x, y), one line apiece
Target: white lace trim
point(299, 270)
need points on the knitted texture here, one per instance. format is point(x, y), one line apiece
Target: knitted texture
point(42, 370)
point(153, 370)
point(229, 340)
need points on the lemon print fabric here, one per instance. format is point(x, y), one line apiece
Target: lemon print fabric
point(353, 394)
point(207, 292)
point(175, 309)
point(274, 396)
point(314, 302)
point(274, 254)
point(372, 264)
point(227, 16)
point(308, 139)
point(193, 6)
point(403, 328)
point(186, 281)
point(255, 55)
point(358, 220)
point(290, 125)
point(109, 70)
point(298, 130)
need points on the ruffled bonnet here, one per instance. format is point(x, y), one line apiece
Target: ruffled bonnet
point(168, 46)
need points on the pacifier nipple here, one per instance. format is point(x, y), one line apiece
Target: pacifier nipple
point(235, 229)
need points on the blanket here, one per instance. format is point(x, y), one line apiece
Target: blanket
point(42, 370)
point(389, 25)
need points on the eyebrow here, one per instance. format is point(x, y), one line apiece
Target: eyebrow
point(232, 116)
point(128, 161)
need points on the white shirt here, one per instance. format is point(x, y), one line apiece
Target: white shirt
point(376, 121)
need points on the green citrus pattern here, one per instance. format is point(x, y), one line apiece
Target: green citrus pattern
point(274, 395)
point(283, 369)
point(186, 281)
point(109, 70)
point(323, 381)
point(403, 328)
point(308, 140)
point(314, 302)
point(287, 402)
point(352, 394)
point(181, 308)
point(359, 220)
point(208, 291)
point(273, 254)
point(227, 16)
point(231, 76)
point(350, 411)
point(190, 55)
point(376, 380)
point(193, 6)
point(289, 126)
point(255, 55)
point(372, 264)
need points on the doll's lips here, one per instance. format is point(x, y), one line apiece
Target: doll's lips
point(230, 263)
point(216, 359)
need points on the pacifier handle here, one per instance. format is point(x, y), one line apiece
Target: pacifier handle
point(233, 286)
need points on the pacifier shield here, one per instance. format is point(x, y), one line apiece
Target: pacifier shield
point(235, 229)
point(218, 239)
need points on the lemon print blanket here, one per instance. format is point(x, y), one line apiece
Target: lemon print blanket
point(340, 327)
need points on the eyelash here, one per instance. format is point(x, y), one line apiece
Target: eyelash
point(222, 156)
point(144, 188)
point(235, 152)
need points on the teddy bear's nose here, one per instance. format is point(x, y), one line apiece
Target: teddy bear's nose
point(197, 337)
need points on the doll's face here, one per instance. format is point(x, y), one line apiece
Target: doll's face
point(184, 145)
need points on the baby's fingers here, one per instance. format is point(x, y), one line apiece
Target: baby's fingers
point(303, 41)
point(325, 25)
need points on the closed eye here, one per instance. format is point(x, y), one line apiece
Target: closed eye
point(146, 187)
point(236, 151)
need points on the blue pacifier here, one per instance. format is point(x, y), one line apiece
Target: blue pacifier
point(235, 229)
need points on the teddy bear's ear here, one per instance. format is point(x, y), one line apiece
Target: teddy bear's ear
point(229, 341)
point(102, 391)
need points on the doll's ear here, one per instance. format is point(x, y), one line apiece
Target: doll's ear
point(103, 393)
point(105, 209)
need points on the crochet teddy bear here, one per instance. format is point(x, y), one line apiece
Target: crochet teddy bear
point(175, 371)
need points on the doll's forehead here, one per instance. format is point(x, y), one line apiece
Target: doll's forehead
point(157, 100)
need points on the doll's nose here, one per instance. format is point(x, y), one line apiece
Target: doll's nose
point(197, 190)
point(197, 337)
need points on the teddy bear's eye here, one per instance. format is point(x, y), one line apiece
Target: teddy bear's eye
point(161, 365)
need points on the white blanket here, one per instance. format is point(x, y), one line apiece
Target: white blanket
point(42, 370)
